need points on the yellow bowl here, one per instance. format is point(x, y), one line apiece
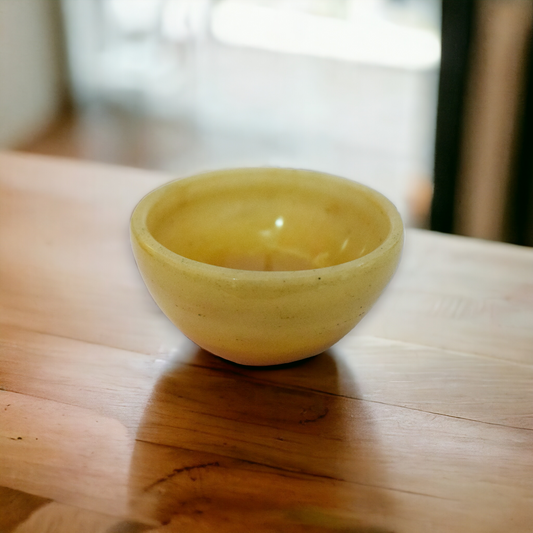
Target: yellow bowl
point(265, 266)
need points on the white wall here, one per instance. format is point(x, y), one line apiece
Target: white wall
point(30, 66)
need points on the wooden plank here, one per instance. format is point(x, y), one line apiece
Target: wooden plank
point(420, 420)
point(66, 266)
point(64, 453)
point(414, 376)
point(16, 507)
point(459, 294)
point(294, 441)
point(60, 518)
point(111, 382)
point(170, 484)
point(389, 372)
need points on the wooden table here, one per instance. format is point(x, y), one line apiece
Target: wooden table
point(421, 420)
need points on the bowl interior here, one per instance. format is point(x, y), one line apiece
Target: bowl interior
point(268, 219)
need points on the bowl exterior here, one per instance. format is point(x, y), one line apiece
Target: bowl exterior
point(264, 318)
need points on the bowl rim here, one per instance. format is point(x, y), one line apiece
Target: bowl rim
point(139, 231)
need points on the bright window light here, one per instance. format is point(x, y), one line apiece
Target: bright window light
point(134, 16)
point(364, 37)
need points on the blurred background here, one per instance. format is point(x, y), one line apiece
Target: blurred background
point(423, 100)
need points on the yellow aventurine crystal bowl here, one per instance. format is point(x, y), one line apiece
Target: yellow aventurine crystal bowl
point(265, 266)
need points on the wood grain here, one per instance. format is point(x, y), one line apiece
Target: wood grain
point(111, 421)
point(460, 294)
